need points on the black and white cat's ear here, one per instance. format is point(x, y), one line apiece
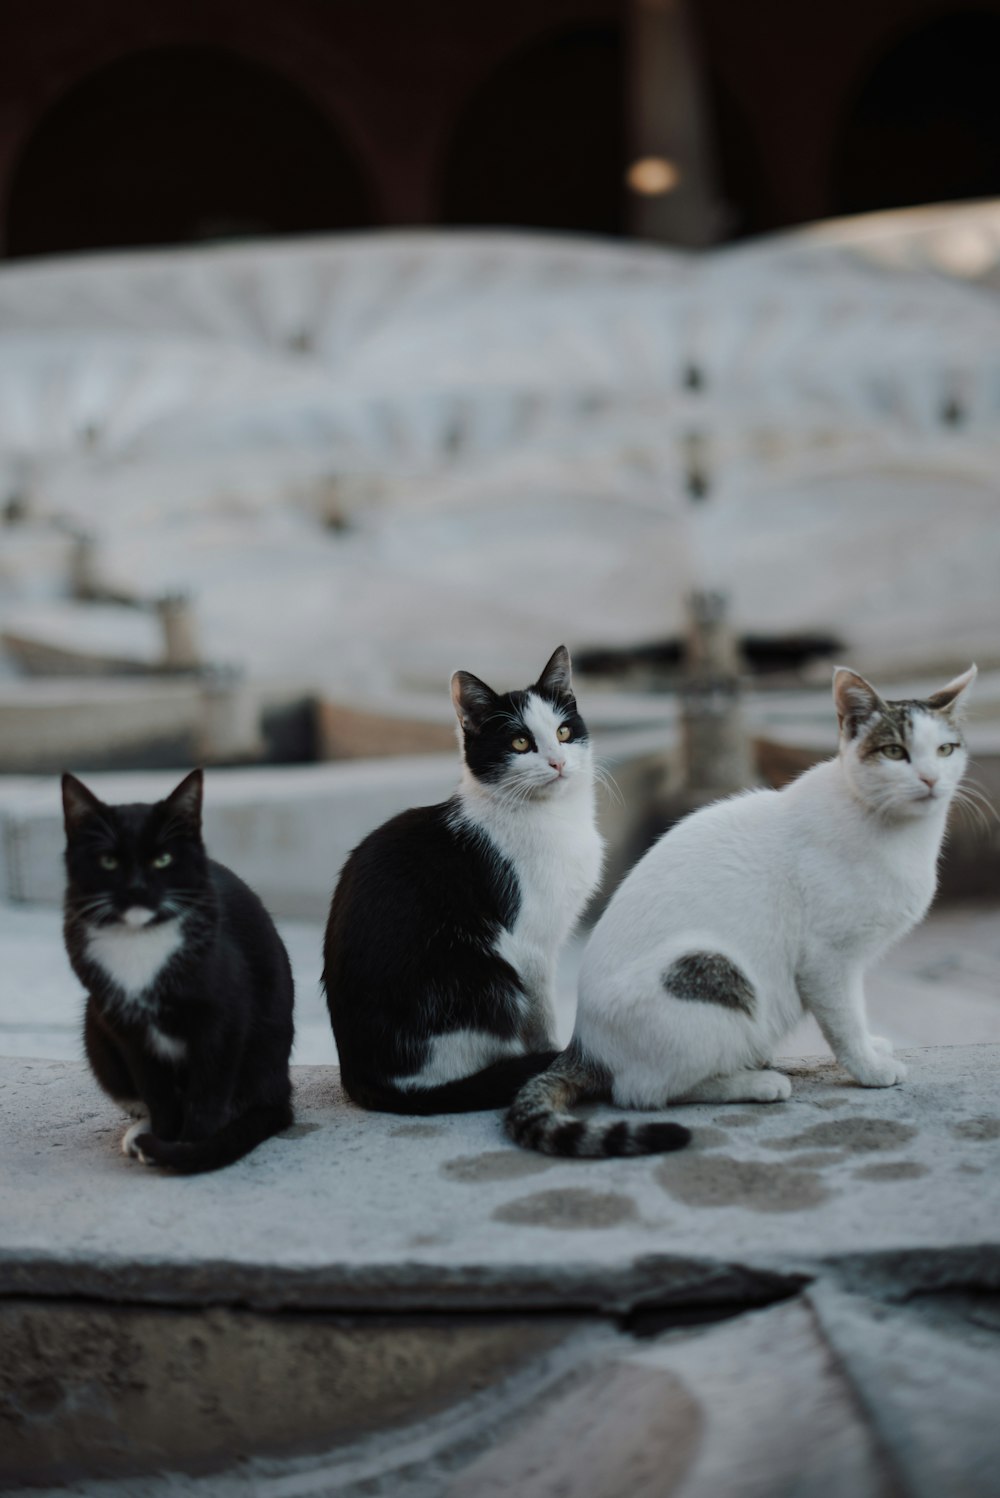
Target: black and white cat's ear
point(78, 803)
point(472, 699)
point(184, 804)
point(952, 698)
point(557, 678)
point(856, 700)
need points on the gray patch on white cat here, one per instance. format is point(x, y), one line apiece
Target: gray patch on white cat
point(710, 978)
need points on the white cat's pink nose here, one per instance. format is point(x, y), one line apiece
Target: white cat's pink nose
point(557, 764)
point(930, 781)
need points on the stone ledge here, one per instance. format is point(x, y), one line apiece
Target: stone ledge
point(373, 1213)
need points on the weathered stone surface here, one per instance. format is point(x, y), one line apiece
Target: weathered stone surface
point(355, 1210)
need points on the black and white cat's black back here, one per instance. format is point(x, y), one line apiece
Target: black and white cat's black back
point(446, 923)
point(189, 989)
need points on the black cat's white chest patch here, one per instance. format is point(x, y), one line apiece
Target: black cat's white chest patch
point(133, 957)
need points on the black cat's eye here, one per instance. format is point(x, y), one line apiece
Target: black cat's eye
point(108, 861)
point(565, 733)
point(894, 751)
point(946, 749)
point(521, 744)
point(162, 860)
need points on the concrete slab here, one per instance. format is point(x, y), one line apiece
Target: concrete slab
point(351, 1210)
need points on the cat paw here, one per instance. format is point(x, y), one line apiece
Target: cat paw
point(768, 1087)
point(133, 1140)
point(881, 1044)
point(879, 1070)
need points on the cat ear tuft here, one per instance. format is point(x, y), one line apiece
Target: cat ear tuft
point(557, 678)
point(471, 698)
point(856, 700)
point(78, 803)
point(184, 802)
point(951, 698)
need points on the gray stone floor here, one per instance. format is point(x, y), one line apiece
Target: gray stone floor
point(431, 1312)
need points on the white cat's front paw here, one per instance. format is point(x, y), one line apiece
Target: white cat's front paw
point(130, 1141)
point(881, 1044)
point(878, 1070)
point(769, 1087)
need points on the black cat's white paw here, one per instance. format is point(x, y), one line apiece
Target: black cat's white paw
point(132, 1141)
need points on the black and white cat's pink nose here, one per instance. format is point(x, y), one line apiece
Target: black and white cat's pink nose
point(930, 781)
point(557, 762)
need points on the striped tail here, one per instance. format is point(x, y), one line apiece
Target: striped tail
point(540, 1117)
point(234, 1140)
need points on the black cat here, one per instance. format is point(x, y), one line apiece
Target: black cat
point(189, 988)
point(446, 923)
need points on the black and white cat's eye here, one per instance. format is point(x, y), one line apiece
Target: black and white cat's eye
point(521, 744)
point(946, 749)
point(894, 751)
point(108, 861)
point(565, 733)
point(162, 861)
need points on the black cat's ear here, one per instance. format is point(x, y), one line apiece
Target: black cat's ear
point(472, 700)
point(557, 678)
point(856, 700)
point(951, 699)
point(184, 804)
point(78, 803)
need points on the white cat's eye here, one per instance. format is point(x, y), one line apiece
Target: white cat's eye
point(522, 744)
point(894, 751)
point(108, 861)
point(947, 748)
point(564, 733)
point(163, 860)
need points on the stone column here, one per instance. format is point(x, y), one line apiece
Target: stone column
point(180, 633)
point(716, 749)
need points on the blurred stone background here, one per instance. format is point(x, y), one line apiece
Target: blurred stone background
point(342, 346)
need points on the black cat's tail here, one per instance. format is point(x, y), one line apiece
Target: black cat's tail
point(495, 1086)
point(234, 1140)
point(539, 1117)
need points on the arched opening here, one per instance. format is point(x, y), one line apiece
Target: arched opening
point(925, 124)
point(542, 142)
point(179, 145)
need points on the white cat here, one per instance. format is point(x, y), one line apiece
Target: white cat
point(749, 912)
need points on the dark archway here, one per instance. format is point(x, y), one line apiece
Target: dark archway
point(542, 143)
point(177, 145)
point(925, 125)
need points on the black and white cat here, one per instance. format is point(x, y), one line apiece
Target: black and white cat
point(749, 912)
point(446, 923)
point(189, 989)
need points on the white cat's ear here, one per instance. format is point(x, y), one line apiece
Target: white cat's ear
point(184, 803)
point(557, 678)
point(471, 698)
point(856, 700)
point(78, 803)
point(953, 695)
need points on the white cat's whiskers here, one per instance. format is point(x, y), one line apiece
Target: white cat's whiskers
point(605, 778)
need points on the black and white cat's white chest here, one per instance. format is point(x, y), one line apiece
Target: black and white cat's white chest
point(555, 853)
point(129, 971)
